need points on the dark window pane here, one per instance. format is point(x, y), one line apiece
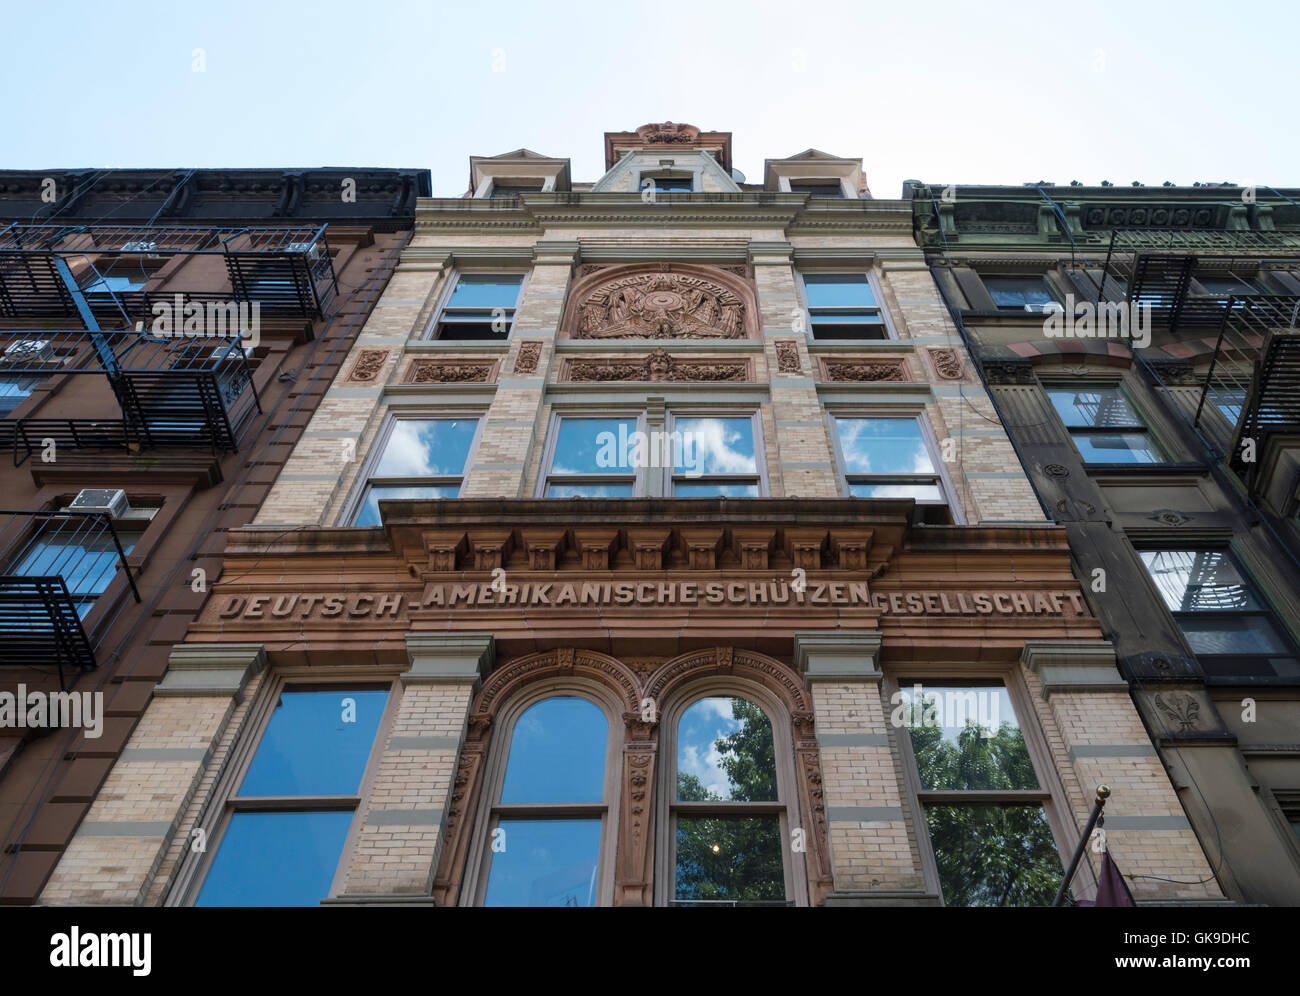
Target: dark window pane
point(683, 489)
point(1029, 293)
point(427, 447)
point(994, 855)
point(964, 737)
point(1228, 286)
point(369, 514)
point(838, 290)
point(883, 446)
point(1199, 581)
point(737, 859)
point(1094, 407)
point(829, 189)
point(276, 859)
point(479, 290)
point(15, 390)
point(714, 446)
point(596, 446)
point(82, 555)
point(316, 743)
point(590, 490)
point(557, 753)
point(514, 189)
point(1247, 635)
point(725, 752)
point(545, 863)
point(1116, 447)
point(669, 184)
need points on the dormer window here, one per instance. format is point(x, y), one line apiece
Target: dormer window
point(513, 188)
point(668, 183)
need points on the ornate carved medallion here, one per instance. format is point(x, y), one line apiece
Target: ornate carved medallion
point(660, 303)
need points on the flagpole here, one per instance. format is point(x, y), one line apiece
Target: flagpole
point(1103, 793)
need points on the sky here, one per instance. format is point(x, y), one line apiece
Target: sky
point(946, 93)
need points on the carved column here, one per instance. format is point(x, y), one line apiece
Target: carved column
point(633, 884)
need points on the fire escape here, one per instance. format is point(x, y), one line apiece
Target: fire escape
point(174, 387)
point(1253, 339)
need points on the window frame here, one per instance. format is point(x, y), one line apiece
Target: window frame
point(225, 801)
point(553, 436)
point(1143, 428)
point(760, 451)
point(1268, 612)
point(932, 445)
point(667, 173)
point(873, 283)
point(1050, 794)
point(838, 182)
point(478, 865)
point(365, 478)
point(786, 807)
point(430, 333)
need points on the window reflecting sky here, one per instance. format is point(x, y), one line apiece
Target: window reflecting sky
point(276, 859)
point(316, 743)
point(579, 446)
point(474, 290)
point(883, 446)
point(545, 863)
point(369, 514)
point(838, 290)
point(719, 445)
point(557, 753)
point(427, 447)
point(707, 721)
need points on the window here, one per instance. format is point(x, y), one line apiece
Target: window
point(1103, 425)
point(481, 306)
point(1229, 400)
point(14, 391)
point(1227, 625)
point(1019, 293)
point(289, 818)
point(117, 278)
point(419, 458)
point(515, 188)
point(79, 550)
point(888, 456)
point(842, 306)
point(727, 824)
point(595, 457)
point(982, 801)
point(667, 183)
point(1227, 285)
point(818, 188)
point(549, 824)
point(715, 455)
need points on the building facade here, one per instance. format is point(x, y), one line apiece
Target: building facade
point(1140, 346)
point(165, 336)
point(656, 544)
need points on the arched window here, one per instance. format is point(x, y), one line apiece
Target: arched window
point(546, 838)
point(725, 828)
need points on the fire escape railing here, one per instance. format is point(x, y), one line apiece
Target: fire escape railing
point(285, 271)
point(53, 566)
point(171, 390)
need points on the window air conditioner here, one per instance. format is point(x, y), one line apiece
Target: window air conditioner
point(111, 502)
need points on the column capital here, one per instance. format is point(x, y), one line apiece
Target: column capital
point(841, 655)
point(1073, 666)
point(211, 669)
point(448, 658)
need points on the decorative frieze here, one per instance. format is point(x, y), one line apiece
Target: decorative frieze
point(656, 366)
point(454, 371)
point(369, 364)
point(530, 351)
point(787, 357)
point(839, 369)
point(660, 301)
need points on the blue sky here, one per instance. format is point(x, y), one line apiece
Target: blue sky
point(968, 93)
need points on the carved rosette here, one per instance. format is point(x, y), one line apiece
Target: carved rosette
point(442, 371)
point(368, 366)
point(657, 366)
point(861, 369)
point(661, 301)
